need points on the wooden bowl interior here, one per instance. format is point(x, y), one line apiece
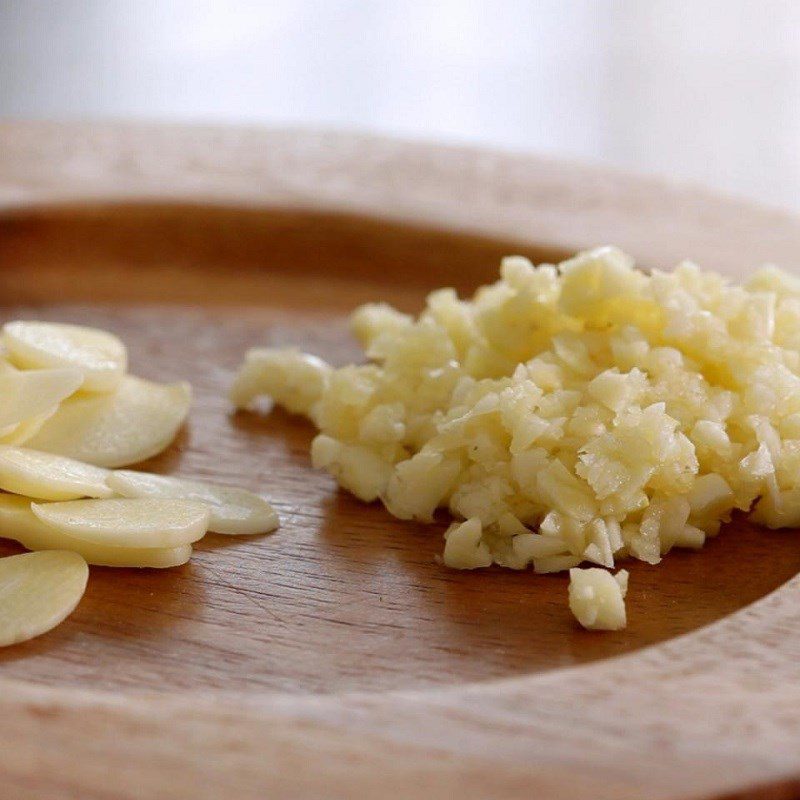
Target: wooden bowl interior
point(343, 596)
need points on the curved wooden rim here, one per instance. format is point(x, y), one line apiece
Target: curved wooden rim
point(711, 712)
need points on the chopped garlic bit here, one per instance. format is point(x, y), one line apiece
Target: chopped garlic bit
point(358, 469)
point(584, 412)
point(463, 547)
point(293, 379)
point(597, 598)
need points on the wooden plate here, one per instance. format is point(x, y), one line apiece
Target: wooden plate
point(335, 658)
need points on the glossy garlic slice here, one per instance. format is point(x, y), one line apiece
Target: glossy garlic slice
point(27, 429)
point(123, 522)
point(19, 523)
point(135, 422)
point(21, 431)
point(38, 591)
point(28, 394)
point(233, 511)
point(100, 356)
point(47, 476)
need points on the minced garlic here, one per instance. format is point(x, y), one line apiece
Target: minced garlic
point(597, 598)
point(584, 412)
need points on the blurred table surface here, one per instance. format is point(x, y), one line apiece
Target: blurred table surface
point(702, 91)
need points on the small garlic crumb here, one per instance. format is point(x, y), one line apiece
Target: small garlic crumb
point(463, 547)
point(356, 468)
point(293, 379)
point(597, 598)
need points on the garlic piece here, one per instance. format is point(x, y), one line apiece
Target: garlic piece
point(19, 523)
point(135, 422)
point(233, 511)
point(46, 476)
point(295, 380)
point(464, 548)
point(27, 429)
point(37, 592)
point(597, 598)
point(128, 523)
point(27, 394)
point(100, 356)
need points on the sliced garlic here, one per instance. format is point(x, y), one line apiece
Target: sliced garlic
point(100, 356)
point(27, 394)
point(46, 476)
point(19, 523)
point(128, 523)
point(133, 423)
point(38, 591)
point(233, 511)
point(22, 431)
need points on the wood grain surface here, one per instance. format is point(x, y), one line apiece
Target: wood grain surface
point(335, 658)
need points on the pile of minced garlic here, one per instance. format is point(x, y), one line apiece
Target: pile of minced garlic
point(579, 413)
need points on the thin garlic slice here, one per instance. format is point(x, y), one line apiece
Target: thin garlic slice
point(27, 394)
point(128, 523)
point(233, 511)
point(21, 431)
point(100, 356)
point(132, 424)
point(27, 429)
point(38, 591)
point(19, 523)
point(46, 476)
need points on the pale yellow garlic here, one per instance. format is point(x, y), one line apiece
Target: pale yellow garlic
point(293, 379)
point(232, 511)
point(610, 413)
point(19, 523)
point(463, 547)
point(146, 522)
point(100, 356)
point(134, 422)
point(37, 592)
point(27, 394)
point(597, 598)
point(49, 477)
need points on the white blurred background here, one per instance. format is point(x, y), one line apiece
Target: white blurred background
point(707, 91)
